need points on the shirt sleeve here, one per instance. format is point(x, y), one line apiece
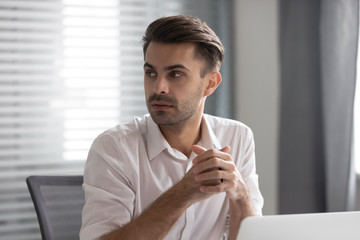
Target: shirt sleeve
point(108, 193)
point(248, 172)
point(245, 162)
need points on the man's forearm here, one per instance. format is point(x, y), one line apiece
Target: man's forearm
point(238, 210)
point(156, 221)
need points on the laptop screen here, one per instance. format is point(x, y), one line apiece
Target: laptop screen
point(313, 226)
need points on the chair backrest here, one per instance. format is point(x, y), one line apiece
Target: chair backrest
point(58, 201)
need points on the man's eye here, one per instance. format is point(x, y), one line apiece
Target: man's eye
point(175, 74)
point(150, 73)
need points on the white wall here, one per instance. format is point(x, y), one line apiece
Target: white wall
point(357, 199)
point(257, 86)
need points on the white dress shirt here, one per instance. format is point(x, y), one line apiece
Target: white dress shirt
point(131, 165)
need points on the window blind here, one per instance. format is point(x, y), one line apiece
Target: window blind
point(69, 69)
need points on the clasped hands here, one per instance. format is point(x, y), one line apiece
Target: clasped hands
point(214, 172)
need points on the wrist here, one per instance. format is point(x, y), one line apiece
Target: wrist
point(179, 197)
point(242, 206)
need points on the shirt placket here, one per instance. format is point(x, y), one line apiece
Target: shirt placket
point(189, 223)
point(190, 212)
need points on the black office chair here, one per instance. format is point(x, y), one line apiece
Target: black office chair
point(58, 201)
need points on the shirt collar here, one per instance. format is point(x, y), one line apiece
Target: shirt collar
point(156, 143)
point(208, 138)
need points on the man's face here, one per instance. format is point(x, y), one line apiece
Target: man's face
point(173, 85)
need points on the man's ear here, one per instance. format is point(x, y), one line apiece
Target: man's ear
point(213, 81)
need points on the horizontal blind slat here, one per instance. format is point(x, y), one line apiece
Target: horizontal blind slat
point(33, 4)
point(30, 15)
point(28, 25)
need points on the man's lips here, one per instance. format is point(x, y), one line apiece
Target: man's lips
point(160, 105)
point(161, 102)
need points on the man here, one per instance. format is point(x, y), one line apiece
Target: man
point(176, 173)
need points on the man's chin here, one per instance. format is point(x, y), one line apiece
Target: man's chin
point(162, 118)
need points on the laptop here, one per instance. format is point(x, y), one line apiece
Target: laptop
point(311, 226)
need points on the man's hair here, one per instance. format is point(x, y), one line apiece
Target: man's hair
point(187, 29)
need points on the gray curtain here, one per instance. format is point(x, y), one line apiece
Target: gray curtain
point(220, 103)
point(318, 43)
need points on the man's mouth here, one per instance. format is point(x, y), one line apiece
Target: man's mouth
point(160, 105)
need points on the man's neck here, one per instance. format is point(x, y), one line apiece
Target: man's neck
point(183, 136)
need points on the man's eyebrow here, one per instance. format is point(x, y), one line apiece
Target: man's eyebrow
point(149, 65)
point(168, 68)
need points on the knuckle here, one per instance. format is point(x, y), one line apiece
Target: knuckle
point(218, 174)
point(212, 151)
point(228, 157)
point(199, 168)
point(232, 167)
point(216, 161)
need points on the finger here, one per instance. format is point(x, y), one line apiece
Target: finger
point(226, 185)
point(214, 175)
point(198, 149)
point(214, 156)
point(225, 149)
point(214, 164)
point(212, 189)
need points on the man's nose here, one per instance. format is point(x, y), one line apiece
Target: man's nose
point(161, 85)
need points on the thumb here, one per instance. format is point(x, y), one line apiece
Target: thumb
point(198, 149)
point(225, 149)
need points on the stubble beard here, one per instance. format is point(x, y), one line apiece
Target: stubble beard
point(175, 116)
